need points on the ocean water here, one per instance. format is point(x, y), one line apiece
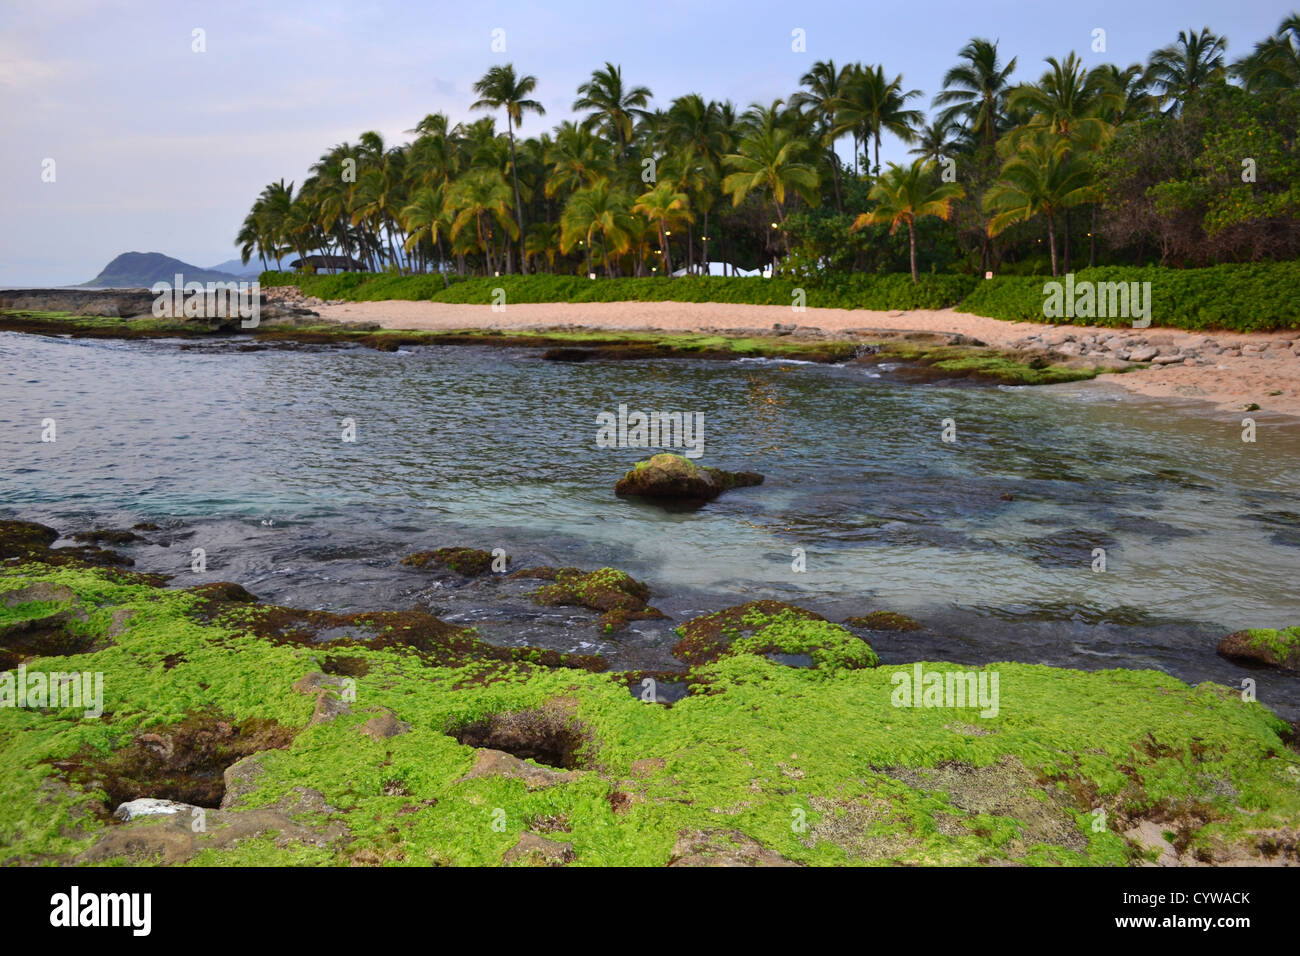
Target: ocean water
point(989, 540)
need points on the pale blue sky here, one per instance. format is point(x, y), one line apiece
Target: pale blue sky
point(160, 149)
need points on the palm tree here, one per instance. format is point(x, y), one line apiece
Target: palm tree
point(825, 86)
point(424, 219)
point(936, 141)
point(873, 105)
point(905, 194)
point(975, 92)
point(577, 158)
point(596, 209)
point(543, 240)
point(664, 207)
point(500, 87)
point(1045, 175)
point(611, 106)
point(1180, 69)
point(482, 197)
point(1275, 63)
point(1068, 101)
point(770, 159)
point(1132, 98)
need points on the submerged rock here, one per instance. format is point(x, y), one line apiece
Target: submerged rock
point(782, 633)
point(616, 594)
point(884, 621)
point(1266, 646)
point(470, 562)
point(677, 478)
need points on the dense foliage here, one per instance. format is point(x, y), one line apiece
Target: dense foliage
point(1187, 160)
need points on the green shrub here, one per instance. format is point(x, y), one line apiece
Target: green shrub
point(853, 291)
point(1249, 297)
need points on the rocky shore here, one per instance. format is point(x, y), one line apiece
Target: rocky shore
point(235, 732)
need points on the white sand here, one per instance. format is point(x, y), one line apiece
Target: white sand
point(1230, 382)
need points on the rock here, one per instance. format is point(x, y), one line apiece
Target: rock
point(149, 806)
point(673, 477)
point(328, 704)
point(1150, 836)
point(1144, 354)
point(884, 621)
point(1166, 359)
point(616, 594)
point(723, 848)
point(241, 778)
point(1264, 646)
point(470, 562)
point(498, 763)
point(384, 726)
point(40, 592)
point(533, 850)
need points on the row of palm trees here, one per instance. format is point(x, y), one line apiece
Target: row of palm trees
point(625, 186)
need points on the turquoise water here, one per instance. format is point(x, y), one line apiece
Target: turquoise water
point(239, 451)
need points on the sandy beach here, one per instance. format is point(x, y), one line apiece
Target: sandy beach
point(1229, 370)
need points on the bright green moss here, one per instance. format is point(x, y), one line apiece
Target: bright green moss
point(817, 764)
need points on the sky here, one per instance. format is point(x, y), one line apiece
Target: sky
point(158, 148)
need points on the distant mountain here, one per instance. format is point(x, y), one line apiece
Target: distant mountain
point(131, 270)
point(237, 268)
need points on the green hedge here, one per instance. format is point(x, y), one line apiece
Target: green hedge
point(1245, 298)
point(1252, 297)
point(855, 291)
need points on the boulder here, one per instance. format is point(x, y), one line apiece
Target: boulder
point(1264, 646)
point(674, 477)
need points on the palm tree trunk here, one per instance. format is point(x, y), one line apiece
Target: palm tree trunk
point(1092, 238)
point(663, 243)
point(911, 235)
point(1067, 240)
point(705, 244)
point(1051, 242)
point(446, 283)
point(519, 209)
point(835, 175)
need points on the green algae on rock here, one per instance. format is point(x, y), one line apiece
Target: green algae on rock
point(470, 562)
point(714, 779)
point(1267, 646)
point(772, 628)
point(616, 594)
point(674, 477)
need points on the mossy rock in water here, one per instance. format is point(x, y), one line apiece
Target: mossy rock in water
point(767, 628)
point(884, 621)
point(470, 562)
point(616, 594)
point(1265, 645)
point(678, 478)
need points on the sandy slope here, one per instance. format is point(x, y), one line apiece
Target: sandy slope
point(1229, 380)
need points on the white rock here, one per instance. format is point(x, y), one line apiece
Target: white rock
point(148, 807)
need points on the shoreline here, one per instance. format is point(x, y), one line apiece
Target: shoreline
point(298, 722)
point(1229, 370)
